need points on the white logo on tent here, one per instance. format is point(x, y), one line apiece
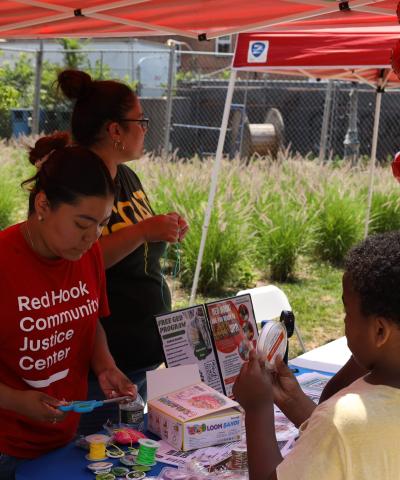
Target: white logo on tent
point(257, 52)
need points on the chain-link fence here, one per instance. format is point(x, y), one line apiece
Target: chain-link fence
point(183, 93)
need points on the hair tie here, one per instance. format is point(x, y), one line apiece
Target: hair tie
point(39, 163)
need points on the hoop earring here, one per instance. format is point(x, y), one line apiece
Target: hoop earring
point(118, 145)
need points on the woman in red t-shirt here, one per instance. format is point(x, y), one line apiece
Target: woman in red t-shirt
point(52, 292)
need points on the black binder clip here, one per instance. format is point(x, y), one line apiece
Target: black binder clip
point(288, 319)
point(344, 6)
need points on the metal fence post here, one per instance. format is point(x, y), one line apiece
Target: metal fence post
point(38, 83)
point(351, 142)
point(101, 64)
point(325, 121)
point(168, 105)
point(378, 103)
point(246, 90)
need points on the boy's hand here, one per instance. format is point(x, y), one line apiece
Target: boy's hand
point(285, 387)
point(253, 386)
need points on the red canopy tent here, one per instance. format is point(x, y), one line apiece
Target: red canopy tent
point(344, 54)
point(191, 18)
point(362, 55)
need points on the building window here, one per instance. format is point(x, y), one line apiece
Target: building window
point(223, 44)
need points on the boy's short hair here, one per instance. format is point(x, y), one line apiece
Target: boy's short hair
point(374, 268)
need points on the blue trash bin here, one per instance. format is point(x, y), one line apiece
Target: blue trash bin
point(21, 121)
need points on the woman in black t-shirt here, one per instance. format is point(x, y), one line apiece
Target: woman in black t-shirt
point(108, 118)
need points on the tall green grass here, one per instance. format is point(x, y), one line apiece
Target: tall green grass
point(14, 168)
point(183, 187)
point(338, 225)
point(267, 214)
point(385, 212)
point(6, 202)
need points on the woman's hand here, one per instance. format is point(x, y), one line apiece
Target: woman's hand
point(183, 228)
point(253, 386)
point(38, 406)
point(114, 383)
point(170, 228)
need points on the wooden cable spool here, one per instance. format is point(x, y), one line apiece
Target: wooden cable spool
point(259, 138)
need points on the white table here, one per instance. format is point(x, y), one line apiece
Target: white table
point(327, 358)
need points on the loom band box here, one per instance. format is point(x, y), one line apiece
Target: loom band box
point(187, 413)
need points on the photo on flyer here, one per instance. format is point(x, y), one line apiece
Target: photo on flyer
point(234, 332)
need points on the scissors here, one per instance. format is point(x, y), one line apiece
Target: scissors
point(85, 406)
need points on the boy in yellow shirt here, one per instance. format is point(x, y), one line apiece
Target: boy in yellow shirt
point(354, 434)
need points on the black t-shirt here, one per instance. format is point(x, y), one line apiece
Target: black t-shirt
point(136, 289)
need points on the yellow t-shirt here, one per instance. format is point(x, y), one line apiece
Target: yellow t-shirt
point(355, 435)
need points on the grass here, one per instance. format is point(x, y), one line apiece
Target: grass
point(287, 222)
point(14, 168)
point(338, 225)
point(316, 301)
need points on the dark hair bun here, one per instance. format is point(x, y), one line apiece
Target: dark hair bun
point(46, 144)
point(74, 83)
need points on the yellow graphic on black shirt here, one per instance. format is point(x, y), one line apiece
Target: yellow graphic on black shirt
point(131, 211)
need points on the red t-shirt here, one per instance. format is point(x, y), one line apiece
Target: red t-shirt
point(48, 319)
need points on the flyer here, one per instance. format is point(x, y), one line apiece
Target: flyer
point(312, 384)
point(186, 339)
point(234, 333)
point(207, 456)
point(218, 336)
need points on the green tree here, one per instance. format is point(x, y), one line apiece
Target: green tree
point(73, 58)
point(20, 76)
point(8, 99)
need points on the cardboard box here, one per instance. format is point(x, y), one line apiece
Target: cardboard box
point(187, 413)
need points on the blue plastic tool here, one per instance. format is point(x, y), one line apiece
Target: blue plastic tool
point(86, 406)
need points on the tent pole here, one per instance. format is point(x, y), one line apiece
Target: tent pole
point(36, 96)
point(169, 98)
point(214, 181)
point(378, 101)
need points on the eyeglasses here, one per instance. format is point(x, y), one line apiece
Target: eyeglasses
point(143, 122)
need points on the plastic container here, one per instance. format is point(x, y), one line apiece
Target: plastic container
point(131, 414)
point(100, 467)
point(272, 342)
